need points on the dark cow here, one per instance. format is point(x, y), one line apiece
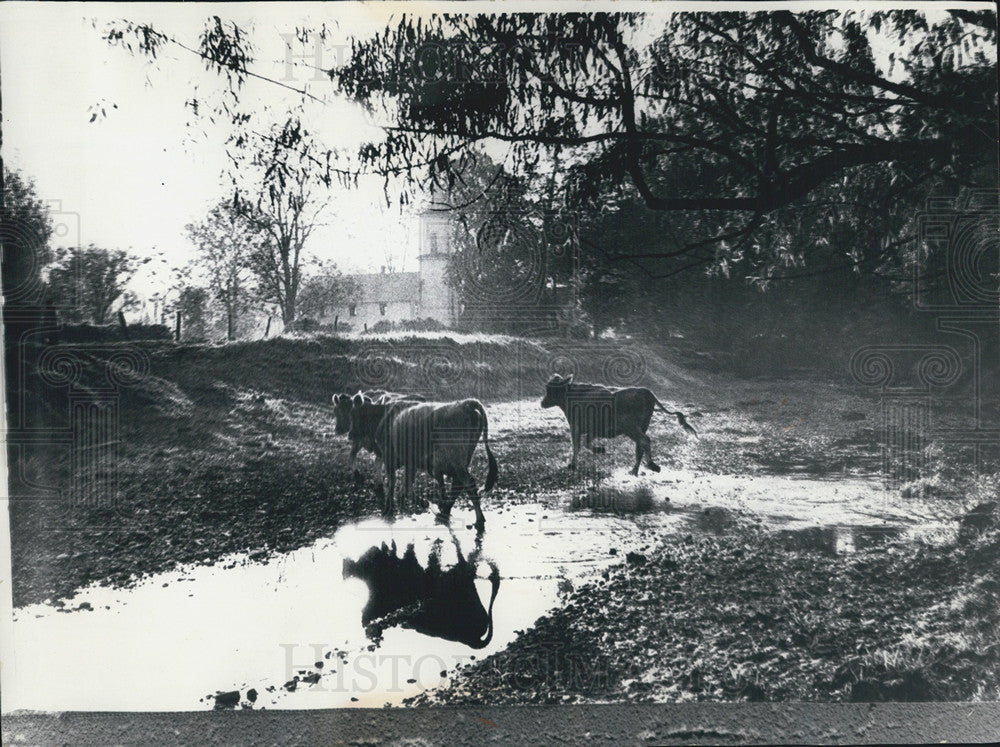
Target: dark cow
point(596, 411)
point(365, 417)
point(438, 602)
point(438, 438)
point(342, 406)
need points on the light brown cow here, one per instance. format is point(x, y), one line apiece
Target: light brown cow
point(595, 411)
point(438, 438)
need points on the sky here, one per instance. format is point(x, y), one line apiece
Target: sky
point(136, 177)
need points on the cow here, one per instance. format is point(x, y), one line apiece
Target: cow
point(365, 416)
point(438, 438)
point(438, 602)
point(342, 406)
point(596, 411)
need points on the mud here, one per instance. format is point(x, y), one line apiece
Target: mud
point(296, 634)
point(299, 631)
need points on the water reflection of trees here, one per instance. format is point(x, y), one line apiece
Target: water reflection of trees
point(433, 600)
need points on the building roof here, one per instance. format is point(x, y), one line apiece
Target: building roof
point(386, 287)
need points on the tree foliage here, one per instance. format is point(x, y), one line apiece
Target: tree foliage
point(227, 243)
point(25, 230)
point(756, 131)
point(284, 206)
point(772, 140)
point(86, 283)
point(324, 292)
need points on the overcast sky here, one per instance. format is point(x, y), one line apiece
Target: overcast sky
point(136, 177)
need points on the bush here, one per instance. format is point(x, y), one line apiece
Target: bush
point(308, 325)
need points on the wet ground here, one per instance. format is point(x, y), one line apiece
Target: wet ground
point(282, 626)
point(287, 632)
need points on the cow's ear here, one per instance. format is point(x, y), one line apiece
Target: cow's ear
point(337, 398)
point(358, 399)
point(569, 379)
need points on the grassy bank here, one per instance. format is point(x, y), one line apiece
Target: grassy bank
point(748, 617)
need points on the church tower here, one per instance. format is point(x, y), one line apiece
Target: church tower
point(437, 299)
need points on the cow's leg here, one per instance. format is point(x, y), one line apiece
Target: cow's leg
point(353, 464)
point(380, 471)
point(442, 489)
point(643, 447)
point(444, 507)
point(647, 445)
point(638, 459)
point(409, 475)
point(474, 497)
point(576, 449)
point(387, 505)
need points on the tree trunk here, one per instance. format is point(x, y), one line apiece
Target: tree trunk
point(230, 324)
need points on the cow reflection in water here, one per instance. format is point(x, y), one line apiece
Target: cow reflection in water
point(434, 601)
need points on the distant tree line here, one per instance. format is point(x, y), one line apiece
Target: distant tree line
point(249, 260)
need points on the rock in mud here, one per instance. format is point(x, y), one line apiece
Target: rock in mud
point(252, 695)
point(227, 700)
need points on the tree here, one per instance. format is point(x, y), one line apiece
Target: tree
point(25, 229)
point(511, 245)
point(322, 293)
point(284, 207)
point(760, 134)
point(87, 282)
point(228, 242)
point(193, 305)
point(725, 120)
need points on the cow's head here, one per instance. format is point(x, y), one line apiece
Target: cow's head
point(555, 390)
point(342, 413)
point(359, 404)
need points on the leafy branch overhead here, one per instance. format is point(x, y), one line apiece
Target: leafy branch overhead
point(758, 110)
point(755, 130)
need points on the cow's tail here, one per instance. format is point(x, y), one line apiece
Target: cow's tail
point(681, 417)
point(495, 583)
point(492, 471)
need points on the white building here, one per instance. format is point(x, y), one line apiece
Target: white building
point(402, 296)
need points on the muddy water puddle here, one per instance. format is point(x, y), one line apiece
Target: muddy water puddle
point(297, 630)
point(240, 625)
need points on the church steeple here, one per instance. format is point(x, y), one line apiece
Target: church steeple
point(437, 299)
